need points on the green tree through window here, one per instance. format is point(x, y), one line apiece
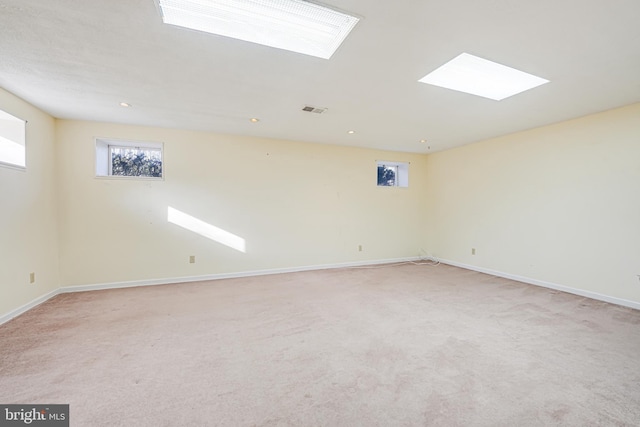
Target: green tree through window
point(129, 161)
point(387, 175)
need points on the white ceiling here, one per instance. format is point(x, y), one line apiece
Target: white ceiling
point(78, 59)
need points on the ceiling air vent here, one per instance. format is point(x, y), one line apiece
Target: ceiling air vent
point(310, 109)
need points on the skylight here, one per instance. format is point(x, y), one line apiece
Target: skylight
point(477, 76)
point(294, 25)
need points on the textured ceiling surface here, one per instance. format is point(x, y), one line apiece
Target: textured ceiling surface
point(78, 59)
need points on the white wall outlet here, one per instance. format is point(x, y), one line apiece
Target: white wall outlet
point(473, 251)
point(192, 259)
point(359, 248)
point(32, 277)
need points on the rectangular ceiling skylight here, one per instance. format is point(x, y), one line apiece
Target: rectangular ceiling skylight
point(294, 25)
point(477, 76)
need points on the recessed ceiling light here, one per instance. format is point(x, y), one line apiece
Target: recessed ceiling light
point(423, 140)
point(477, 76)
point(351, 132)
point(254, 120)
point(294, 25)
point(125, 104)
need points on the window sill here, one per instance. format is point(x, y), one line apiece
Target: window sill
point(129, 178)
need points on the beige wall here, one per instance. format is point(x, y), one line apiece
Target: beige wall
point(28, 200)
point(295, 204)
point(559, 203)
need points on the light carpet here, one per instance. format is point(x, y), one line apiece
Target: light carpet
point(407, 345)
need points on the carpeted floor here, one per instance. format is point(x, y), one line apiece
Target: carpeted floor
point(395, 346)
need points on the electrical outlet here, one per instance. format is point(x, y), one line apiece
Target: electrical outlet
point(192, 259)
point(32, 277)
point(473, 251)
point(359, 248)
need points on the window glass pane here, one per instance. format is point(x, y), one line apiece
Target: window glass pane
point(387, 175)
point(12, 140)
point(130, 161)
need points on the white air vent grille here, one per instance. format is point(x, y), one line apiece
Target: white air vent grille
point(310, 109)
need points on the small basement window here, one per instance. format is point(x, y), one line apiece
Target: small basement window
point(134, 159)
point(393, 174)
point(12, 141)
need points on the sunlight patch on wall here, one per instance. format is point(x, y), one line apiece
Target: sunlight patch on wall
point(205, 229)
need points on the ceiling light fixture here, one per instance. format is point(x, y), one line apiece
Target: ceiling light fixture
point(125, 104)
point(254, 120)
point(351, 132)
point(478, 76)
point(423, 140)
point(294, 25)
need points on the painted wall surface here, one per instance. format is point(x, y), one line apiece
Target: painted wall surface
point(559, 203)
point(294, 204)
point(28, 212)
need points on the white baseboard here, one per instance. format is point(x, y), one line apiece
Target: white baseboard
point(151, 282)
point(544, 284)
point(28, 306)
point(219, 276)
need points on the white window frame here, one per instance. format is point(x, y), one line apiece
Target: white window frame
point(13, 136)
point(402, 173)
point(104, 147)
